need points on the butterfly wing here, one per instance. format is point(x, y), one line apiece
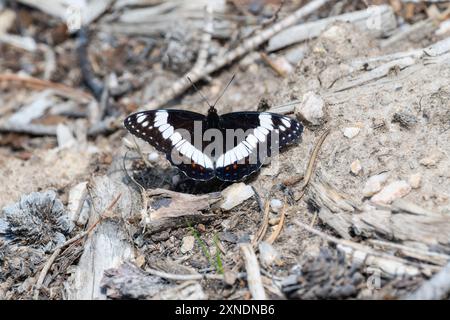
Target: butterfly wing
point(169, 131)
point(265, 132)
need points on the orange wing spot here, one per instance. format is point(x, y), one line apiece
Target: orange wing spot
point(227, 168)
point(235, 166)
point(193, 165)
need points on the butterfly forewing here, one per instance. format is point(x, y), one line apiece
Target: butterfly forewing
point(171, 132)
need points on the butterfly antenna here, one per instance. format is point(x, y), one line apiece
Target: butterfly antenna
point(231, 80)
point(200, 92)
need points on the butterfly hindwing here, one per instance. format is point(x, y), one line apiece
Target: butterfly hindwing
point(164, 130)
point(245, 156)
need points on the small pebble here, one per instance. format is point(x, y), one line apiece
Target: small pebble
point(283, 65)
point(267, 254)
point(253, 68)
point(374, 184)
point(444, 28)
point(310, 109)
point(64, 136)
point(187, 244)
point(153, 156)
point(235, 194)
point(140, 260)
point(274, 221)
point(415, 180)
point(276, 205)
point(8, 17)
point(431, 160)
point(333, 32)
point(356, 167)
point(229, 277)
point(392, 191)
point(201, 227)
point(351, 132)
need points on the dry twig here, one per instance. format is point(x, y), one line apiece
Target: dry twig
point(253, 273)
point(248, 45)
point(40, 84)
point(202, 57)
point(183, 277)
point(390, 264)
point(425, 255)
point(29, 128)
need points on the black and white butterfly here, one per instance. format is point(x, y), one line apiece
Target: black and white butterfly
point(236, 158)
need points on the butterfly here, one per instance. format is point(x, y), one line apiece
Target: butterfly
point(229, 147)
point(219, 152)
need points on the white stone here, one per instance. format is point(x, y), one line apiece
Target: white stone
point(351, 132)
point(444, 28)
point(276, 205)
point(415, 180)
point(64, 136)
point(310, 109)
point(187, 244)
point(7, 18)
point(334, 32)
point(235, 195)
point(374, 184)
point(267, 254)
point(153, 156)
point(283, 65)
point(392, 191)
point(356, 167)
point(431, 160)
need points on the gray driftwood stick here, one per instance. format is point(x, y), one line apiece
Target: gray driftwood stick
point(379, 20)
point(169, 209)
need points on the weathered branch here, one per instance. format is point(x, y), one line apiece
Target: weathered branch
point(248, 45)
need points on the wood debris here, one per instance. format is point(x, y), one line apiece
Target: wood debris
point(356, 210)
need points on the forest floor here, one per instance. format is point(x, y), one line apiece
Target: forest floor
point(359, 208)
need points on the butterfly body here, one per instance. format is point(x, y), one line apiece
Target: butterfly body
point(213, 119)
point(230, 146)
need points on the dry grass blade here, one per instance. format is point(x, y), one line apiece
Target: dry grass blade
point(311, 163)
point(264, 225)
point(275, 234)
